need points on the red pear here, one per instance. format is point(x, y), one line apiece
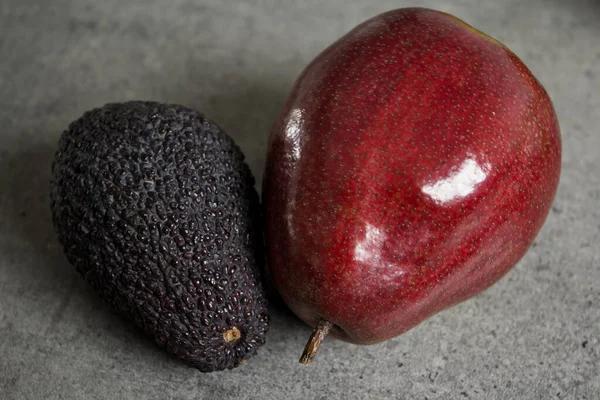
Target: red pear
point(412, 166)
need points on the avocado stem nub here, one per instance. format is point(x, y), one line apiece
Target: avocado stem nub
point(232, 335)
point(317, 337)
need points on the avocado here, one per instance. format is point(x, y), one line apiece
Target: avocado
point(156, 208)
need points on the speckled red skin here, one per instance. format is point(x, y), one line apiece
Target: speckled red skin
point(412, 166)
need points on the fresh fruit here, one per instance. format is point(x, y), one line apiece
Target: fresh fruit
point(156, 208)
point(412, 166)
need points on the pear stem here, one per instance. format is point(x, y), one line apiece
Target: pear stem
point(317, 337)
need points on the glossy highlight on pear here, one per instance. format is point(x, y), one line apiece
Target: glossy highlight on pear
point(412, 166)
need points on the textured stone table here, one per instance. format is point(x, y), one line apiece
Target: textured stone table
point(535, 335)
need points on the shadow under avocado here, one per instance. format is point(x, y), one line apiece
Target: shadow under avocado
point(26, 191)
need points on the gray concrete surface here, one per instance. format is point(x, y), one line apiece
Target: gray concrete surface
point(534, 335)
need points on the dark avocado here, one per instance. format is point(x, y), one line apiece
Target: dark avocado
point(156, 208)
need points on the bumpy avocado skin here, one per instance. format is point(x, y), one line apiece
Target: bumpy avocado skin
point(156, 208)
